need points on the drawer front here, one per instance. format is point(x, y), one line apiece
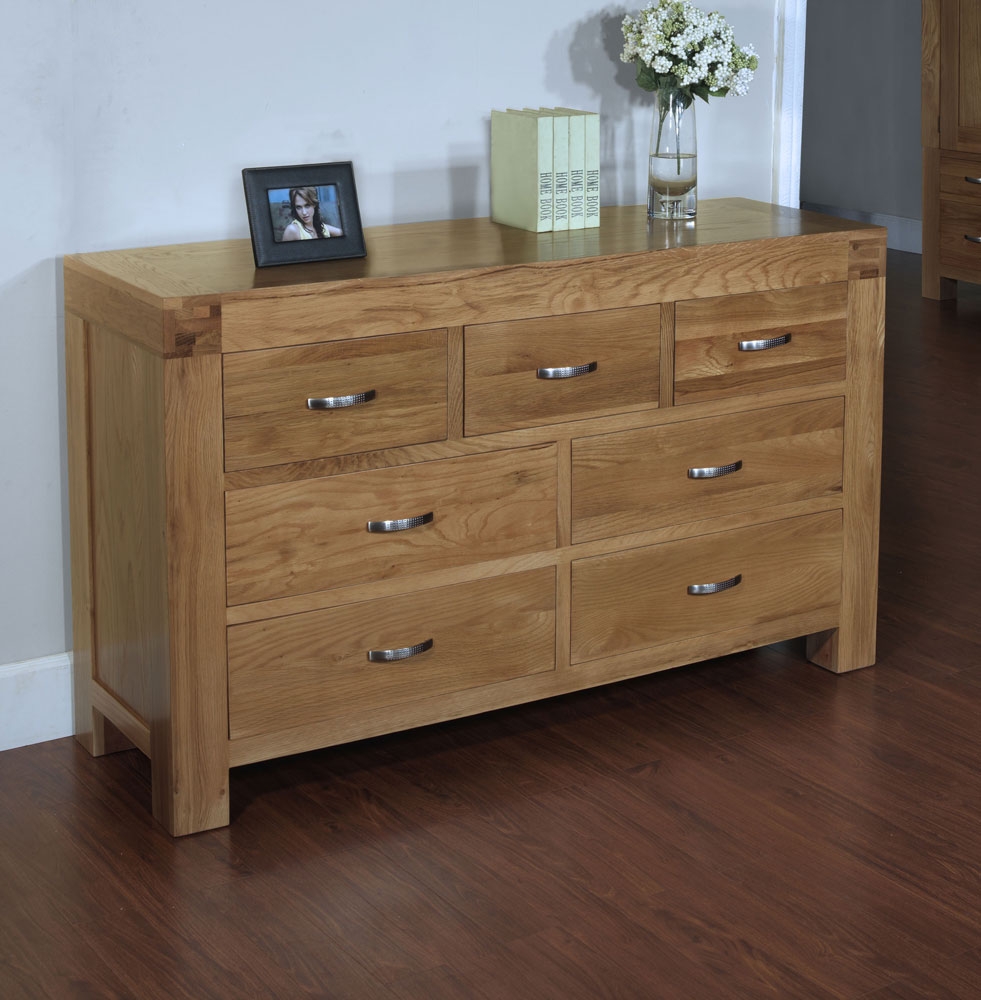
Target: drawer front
point(960, 227)
point(295, 538)
point(654, 476)
point(268, 420)
point(308, 668)
point(711, 337)
point(960, 179)
point(502, 363)
point(639, 598)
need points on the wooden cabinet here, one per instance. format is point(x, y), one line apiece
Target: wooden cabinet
point(951, 118)
point(317, 503)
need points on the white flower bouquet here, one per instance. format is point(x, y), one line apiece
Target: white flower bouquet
point(677, 46)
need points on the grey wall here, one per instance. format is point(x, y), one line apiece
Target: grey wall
point(860, 143)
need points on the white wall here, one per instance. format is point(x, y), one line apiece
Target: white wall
point(125, 124)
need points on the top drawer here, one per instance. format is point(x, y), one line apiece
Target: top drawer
point(269, 398)
point(505, 388)
point(738, 344)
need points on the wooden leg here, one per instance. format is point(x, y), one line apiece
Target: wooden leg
point(935, 287)
point(189, 721)
point(852, 644)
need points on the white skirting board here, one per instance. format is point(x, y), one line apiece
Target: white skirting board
point(35, 701)
point(904, 234)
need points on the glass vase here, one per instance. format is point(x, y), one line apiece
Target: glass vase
point(673, 164)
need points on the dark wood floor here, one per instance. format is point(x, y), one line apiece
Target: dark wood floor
point(750, 827)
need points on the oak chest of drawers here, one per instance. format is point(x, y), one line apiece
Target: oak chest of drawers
point(951, 139)
point(322, 502)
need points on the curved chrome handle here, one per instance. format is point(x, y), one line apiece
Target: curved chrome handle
point(340, 402)
point(400, 524)
point(571, 372)
point(391, 655)
point(973, 180)
point(764, 345)
point(714, 471)
point(973, 239)
point(715, 588)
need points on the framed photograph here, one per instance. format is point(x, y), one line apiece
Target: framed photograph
point(304, 212)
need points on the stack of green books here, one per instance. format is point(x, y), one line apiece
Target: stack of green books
point(545, 169)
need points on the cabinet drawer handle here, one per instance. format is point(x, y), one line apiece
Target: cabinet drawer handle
point(714, 471)
point(715, 588)
point(340, 402)
point(571, 372)
point(764, 345)
point(973, 239)
point(391, 655)
point(400, 524)
point(973, 180)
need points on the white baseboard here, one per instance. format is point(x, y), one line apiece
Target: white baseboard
point(904, 234)
point(35, 701)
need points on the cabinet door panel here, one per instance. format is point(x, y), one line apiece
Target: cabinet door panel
point(710, 364)
point(296, 538)
point(654, 476)
point(504, 390)
point(268, 420)
point(639, 598)
point(302, 669)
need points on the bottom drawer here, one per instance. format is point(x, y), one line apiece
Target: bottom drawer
point(641, 597)
point(308, 668)
point(960, 229)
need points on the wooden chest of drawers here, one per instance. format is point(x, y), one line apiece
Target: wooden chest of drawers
point(951, 139)
point(317, 503)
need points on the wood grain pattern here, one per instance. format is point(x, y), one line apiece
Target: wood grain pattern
point(530, 688)
point(225, 549)
point(954, 173)
point(744, 827)
point(951, 71)
point(638, 598)
point(934, 286)
point(853, 645)
point(267, 421)
point(310, 536)
point(930, 74)
point(165, 276)
point(503, 392)
point(709, 365)
point(635, 480)
point(969, 76)
point(128, 487)
point(957, 221)
point(291, 672)
point(189, 736)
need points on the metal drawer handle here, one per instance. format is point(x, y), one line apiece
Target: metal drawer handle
point(391, 655)
point(400, 524)
point(572, 372)
point(973, 239)
point(714, 471)
point(973, 180)
point(715, 588)
point(340, 402)
point(764, 345)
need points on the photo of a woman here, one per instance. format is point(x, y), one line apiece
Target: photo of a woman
point(306, 222)
point(303, 212)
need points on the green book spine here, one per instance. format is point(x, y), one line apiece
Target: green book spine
point(592, 151)
point(577, 166)
point(521, 170)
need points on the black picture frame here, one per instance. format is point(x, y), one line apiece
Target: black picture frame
point(273, 218)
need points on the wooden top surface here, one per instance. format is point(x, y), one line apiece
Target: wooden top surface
point(164, 275)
